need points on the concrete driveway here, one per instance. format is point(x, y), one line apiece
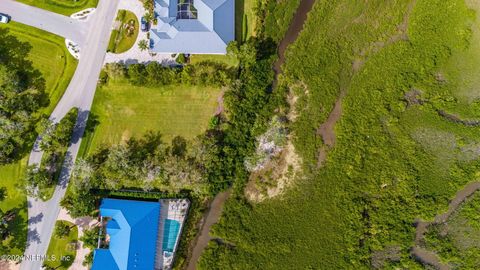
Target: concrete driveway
point(93, 36)
point(51, 22)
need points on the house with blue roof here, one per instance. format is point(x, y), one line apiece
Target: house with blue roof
point(132, 230)
point(193, 26)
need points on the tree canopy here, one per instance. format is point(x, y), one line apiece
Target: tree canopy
point(22, 94)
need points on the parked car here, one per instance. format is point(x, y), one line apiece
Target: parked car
point(4, 18)
point(144, 25)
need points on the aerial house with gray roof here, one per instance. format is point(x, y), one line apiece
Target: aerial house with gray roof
point(193, 26)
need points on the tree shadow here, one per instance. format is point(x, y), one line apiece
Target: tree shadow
point(239, 18)
point(36, 219)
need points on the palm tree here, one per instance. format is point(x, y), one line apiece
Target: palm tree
point(143, 45)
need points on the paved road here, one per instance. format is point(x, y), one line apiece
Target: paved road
point(52, 22)
point(93, 36)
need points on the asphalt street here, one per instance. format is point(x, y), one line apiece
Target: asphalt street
point(93, 36)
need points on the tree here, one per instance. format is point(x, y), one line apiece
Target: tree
point(148, 16)
point(3, 193)
point(62, 229)
point(143, 45)
point(35, 181)
point(181, 59)
point(137, 74)
point(115, 70)
point(90, 237)
point(22, 94)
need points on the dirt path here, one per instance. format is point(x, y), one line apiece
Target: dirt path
point(213, 215)
point(429, 257)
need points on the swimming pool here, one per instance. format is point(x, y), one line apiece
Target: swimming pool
point(170, 233)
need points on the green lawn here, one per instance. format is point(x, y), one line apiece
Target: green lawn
point(62, 251)
point(49, 55)
point(124, 110)
point(230, 61)
point(16, 200)
point(65, 7)
point(123, 38)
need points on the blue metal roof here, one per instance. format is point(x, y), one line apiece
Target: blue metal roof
point(210, 33)
point(133, 232)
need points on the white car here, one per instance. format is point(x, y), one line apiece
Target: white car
point(4, 18)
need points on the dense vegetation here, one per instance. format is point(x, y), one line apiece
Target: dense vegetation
point(395, 158)
point(457, 241)
point(40, 181)
point(22, 92)
point(146, 163)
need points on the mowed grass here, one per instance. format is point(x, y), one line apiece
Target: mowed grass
point(61, 251)
point(229, 60)
point(124, 110)
point(15, 200)
point(49, 55)
point(65, 7)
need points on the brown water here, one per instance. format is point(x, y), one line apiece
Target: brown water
point(426, 256)
point(292, 33)
point(213, 215)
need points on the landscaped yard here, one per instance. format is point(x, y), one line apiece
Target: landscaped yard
point(124, 110)
point(124, 37)
point(65, 7)
point(62, 250)
point(49, 55)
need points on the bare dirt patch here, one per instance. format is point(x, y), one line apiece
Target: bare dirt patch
point(275, 177)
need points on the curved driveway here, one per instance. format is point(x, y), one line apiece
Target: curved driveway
point(93, 36)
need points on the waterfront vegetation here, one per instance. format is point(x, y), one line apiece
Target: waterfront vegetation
point(457, 241)
point(395, 158)
point(65, 7)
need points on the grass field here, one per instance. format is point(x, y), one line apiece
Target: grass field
point(395, 158)
point(124, 110)
point(63, 249)
point(16, 200)
point(225, 59)
point(65, 7)
point(121, 40)
point(49, 55)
